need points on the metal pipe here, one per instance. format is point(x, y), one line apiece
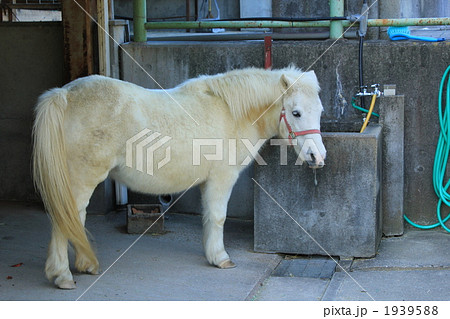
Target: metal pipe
point(407, 22)
point(336, 10)
point(165, 201)
point(139, 19)
point(121, 193)
point(286, 19)
point(291, 24)
point(210, 24)
point(235, 36)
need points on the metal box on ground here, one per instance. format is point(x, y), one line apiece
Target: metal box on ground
point(145, 218)
point(341, 216)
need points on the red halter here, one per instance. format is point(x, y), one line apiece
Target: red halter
point(293, 134)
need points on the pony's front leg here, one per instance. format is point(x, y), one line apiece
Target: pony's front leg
point(215, 195)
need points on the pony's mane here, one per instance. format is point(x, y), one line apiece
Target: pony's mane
point(248, 89)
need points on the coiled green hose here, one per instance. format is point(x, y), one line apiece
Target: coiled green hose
point(362, 109)
point(441, 156)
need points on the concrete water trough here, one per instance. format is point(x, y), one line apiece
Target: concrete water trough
point(340, 216)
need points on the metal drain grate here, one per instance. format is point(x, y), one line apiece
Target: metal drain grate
point(319, 267)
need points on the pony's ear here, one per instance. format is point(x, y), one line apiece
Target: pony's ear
point(312, 74)
point(311, 80)
point(286, 83)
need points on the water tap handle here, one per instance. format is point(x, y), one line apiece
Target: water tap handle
point(376, 90)
point(363, 91)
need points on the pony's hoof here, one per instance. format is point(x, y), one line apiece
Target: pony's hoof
point(226, 264)
point(93, 270)
point(68, 284)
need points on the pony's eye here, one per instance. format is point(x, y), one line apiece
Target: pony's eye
point(296, 113)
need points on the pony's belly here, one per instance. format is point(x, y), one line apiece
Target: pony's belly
point(159, 182)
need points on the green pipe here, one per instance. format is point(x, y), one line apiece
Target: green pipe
point(407, 22)
point(139, 19)
point(336, 10)
point(208, 24)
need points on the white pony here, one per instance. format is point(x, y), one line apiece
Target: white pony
point(81, 131)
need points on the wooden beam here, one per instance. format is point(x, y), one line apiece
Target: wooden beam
point(78, 37)
point(103, 38)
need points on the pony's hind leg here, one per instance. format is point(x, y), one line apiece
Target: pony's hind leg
point(82, 195)
point(57, 264)
point(215, 195)
point(83, 263)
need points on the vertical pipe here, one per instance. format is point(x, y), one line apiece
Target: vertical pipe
point(139, 20)
point(165, 201)
point(336, 10)
point(121, 194)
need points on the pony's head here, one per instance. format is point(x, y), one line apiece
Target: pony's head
point(300, 117)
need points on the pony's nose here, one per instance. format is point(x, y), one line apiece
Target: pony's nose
point(320, 164)
point(315, 162)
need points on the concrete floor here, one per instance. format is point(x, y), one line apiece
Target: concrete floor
point(172, 266)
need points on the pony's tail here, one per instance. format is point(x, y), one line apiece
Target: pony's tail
point(51, 174)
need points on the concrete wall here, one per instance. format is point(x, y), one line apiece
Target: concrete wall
point(32, 62)
point(416, 69)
